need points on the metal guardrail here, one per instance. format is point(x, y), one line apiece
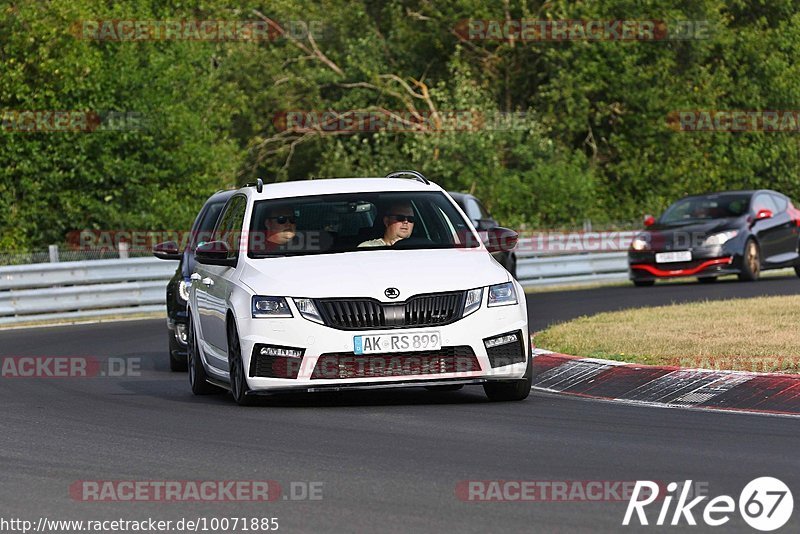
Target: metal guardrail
point(81, 289)
point(85, 289)
point(573, 258)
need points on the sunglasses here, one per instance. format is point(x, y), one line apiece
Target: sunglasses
point(403, 218)
point(283, 219)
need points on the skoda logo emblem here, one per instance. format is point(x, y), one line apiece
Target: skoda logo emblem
point(392, 292)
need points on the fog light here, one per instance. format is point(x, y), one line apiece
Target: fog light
point(283, 352)
point(180, 332)
point(501, 340)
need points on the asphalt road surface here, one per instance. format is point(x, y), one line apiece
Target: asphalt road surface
point(550, 307)
point(386, 461)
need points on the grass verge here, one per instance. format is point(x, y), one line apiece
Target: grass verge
point(758, 334)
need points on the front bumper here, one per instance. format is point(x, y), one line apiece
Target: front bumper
point(706, 261)
point(328, 360)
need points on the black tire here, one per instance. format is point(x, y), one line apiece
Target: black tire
point(197, 373)
point(177, 362)
point(452, 387)
point(239, 387)
point(751, 262)
point(797, 270)
point(643, 283)
point(511, 391)
point(707, 279)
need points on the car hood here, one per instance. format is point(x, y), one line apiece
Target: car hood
point(687, 235)
point(370, 273)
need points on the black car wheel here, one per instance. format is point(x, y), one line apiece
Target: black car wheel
point(797, 270)
point(177, 361)
point(239, 386)
point(197, 373)
point(643, 283)
point(511, 391)
point(751, 262)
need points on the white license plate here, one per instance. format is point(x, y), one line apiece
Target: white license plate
point(400, 342)
point(667, 257)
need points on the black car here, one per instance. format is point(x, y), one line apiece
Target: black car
point(483, 221)
point(178, 286)
point(735, 232)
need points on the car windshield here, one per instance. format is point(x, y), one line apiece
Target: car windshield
point(706, 207)
point(327, 224)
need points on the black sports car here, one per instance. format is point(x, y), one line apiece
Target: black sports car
point(483, 221)
point(178, 286)
point(735, 232)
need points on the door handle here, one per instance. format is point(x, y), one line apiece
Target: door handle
point(208, 281)
point(195, 277)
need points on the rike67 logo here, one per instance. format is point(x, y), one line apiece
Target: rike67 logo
point(765, 504)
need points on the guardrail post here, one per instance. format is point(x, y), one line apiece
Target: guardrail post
point(53, 249)
point(123, 250)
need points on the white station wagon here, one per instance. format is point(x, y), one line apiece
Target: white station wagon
point(354, 283)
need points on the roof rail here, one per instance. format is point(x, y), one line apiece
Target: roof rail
point(259, 185)
point(418, 176)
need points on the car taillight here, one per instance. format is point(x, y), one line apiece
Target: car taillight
point(794, 213)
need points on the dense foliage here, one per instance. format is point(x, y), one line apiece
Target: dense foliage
point(590, 138)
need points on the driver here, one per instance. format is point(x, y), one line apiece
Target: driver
point(399, 222)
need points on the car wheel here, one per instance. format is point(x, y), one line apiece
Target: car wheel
point(197, 373)
point(751, 262)
point(797, 270)
point(643, 283)
point(707, 279)
point(177, 362)
point(239, 387)
point(511, 391)
point(451, 387)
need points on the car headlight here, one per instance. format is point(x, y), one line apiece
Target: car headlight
point(308, 310)
point(473, 301)
point(270, 307)
point(502, 295)
point(183, 290)
point(720, 238)
point(640, 242)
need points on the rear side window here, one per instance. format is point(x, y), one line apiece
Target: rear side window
point(229, 226)
point(780, 202)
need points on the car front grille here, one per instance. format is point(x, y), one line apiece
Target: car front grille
point(343, 365)
point(421, 310)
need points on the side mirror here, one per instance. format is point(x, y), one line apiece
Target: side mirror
point(167, 250)
point(763, 214)
point(501, 239)
point(649, 220)
point(214, 253)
